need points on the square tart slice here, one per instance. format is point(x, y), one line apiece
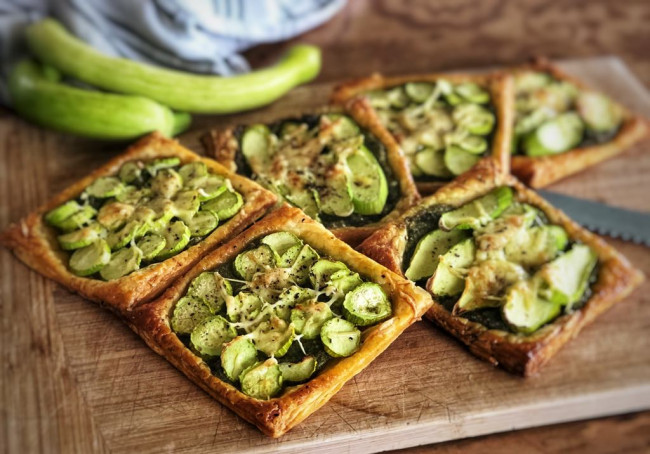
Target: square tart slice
point(341, 167)
point(444, 123)
point(122, 234)
point(237, 323)
point(514, 290)
point(563, 127)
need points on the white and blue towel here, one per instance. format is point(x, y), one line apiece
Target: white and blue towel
point(204, 36)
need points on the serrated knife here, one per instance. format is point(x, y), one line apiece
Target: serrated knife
point(628, 225)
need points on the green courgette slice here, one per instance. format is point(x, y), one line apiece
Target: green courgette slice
point(474, 119)
point(459, 161)
point(150, 245)
point(273, 337)
point(162, 163)
point(59, 214)
point(479, 211)
point(251, 262)
point(321, 272)
point(345, 284)
point(120, 238)
point(164, 209)
point(78, 219)
point(567, 277)
point(256, 146)
point(105, 187)
point(397, 97)
point(262, 380)
point(186, 204)
point(343, 126)
point(366, 182)
point(289, 258)
point(419, 91)
point(432, 162)
point(291, 296)
point(557, 135)
point(446, 280)
point(340, 337)
point(308, 319)
point(177, 236)
point(428, 250)
point(366, 305)
point(188, 313)
point(202, 223)
point(244, 307)
point(524, 311)
point(225, 205)
point(209, 187)
point(473, 144)
point(114, 215)
point(192, 171)
point(90, 259)
point(307, 200)
point(82, 237)
point(599, 113)
point(336, 197)
point(208, 337)
point(238, 355)
point(472, 92)
point(302, 265)
point(298, 372)
point(485, 282)
point(130, 172)
point(532, 121)
point(122, 262)
point(530, 81)
point(280, 243)
point(211, 288)
point(166, 183)
point(537, 246)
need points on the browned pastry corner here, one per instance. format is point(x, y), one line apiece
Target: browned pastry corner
point(521, 354)
point(224, 146)
point(276, 416)
point(499, 85)
point(35, 243)
point(542, 171)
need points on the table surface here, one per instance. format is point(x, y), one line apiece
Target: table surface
point(56, 349)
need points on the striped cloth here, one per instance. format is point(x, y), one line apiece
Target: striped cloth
point(204, 36)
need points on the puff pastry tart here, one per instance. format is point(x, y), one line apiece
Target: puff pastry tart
point(273, 323)
point(342, 168)
point(511, 277)
point(444, 123)
point(122, 234)
point(562, 126)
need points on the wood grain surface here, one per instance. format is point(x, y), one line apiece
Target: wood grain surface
point(74, 379)
point(399, 36)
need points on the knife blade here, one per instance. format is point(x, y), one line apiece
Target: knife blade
point(627, 225)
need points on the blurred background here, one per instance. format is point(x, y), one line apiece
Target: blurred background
point(398, 36)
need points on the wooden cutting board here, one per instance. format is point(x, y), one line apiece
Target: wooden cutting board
point(75, 379)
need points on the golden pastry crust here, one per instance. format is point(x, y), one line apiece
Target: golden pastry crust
point(223, 146)
point(520, 354)
point(276, 416)
point(541, 171)
point(500, 86)
point(35, 243)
